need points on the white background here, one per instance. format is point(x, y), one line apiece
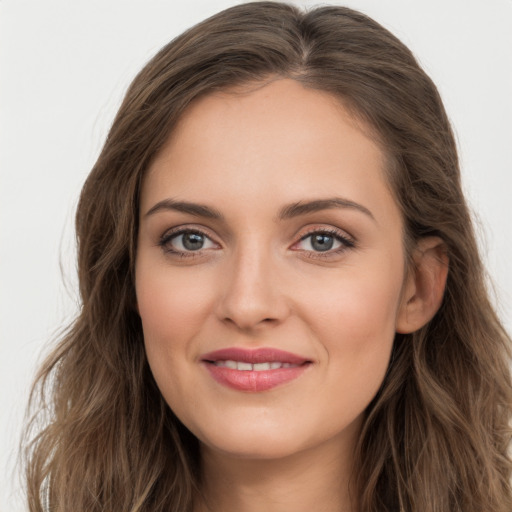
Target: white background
point(64, 66)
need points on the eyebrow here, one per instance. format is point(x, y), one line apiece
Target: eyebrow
point(195, 209)
point(304, 207)
point(287, 212)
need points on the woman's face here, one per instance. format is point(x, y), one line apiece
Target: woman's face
point(269, 271)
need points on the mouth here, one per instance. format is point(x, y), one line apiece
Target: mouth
point(256, 367)
point(254, 370)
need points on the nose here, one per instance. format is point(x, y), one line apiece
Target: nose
point(252, 292)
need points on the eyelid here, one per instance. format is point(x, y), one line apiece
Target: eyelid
point(185, 228)
point(346, 240)
point(176, 231)
point(330, 230)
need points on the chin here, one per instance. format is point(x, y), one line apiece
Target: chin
point(250, 439)
point(260, 448)
point(264, 439)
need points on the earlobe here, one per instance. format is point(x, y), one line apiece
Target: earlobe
point(424, 287)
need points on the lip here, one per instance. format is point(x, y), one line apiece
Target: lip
point(251, 380)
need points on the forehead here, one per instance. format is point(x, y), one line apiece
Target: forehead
point(276, 106)
point(276, 136)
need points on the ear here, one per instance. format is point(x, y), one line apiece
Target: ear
point(424, 286)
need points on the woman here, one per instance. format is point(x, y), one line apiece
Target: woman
point(283, 301)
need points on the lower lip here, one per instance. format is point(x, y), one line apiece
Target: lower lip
point(254, 381)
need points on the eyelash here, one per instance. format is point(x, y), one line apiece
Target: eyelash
point(167, 237)
point(346, 242)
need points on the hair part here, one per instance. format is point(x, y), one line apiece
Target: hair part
point(435, 438)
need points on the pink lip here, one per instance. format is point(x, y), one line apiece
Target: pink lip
point(251, 380)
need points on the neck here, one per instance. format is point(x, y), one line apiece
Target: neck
point(318, 479)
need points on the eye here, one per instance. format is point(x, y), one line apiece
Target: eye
point(186, 241)
point(324, 241)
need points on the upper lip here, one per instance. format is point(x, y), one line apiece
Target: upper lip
point(257, 355)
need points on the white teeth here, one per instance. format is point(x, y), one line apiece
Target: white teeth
point(261, 366)
point(257, 367)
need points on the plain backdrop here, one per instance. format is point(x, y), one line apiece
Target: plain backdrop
point(64, 67)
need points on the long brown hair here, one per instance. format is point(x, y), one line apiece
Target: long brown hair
point(436, 436)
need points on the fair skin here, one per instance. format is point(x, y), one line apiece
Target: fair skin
point(252, 267)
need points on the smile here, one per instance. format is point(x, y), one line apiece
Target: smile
point(256, 367)
point(254, 370)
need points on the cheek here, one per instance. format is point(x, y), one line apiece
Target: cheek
point(170, 304)
point(356, 323)
point(358, 306)
point(172, 308)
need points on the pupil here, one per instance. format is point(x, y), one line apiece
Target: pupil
point(193, 241)
point(322, 242)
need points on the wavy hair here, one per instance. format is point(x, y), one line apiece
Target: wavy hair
point(436, 436)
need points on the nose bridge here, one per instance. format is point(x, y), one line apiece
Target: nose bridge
point(251, 294)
